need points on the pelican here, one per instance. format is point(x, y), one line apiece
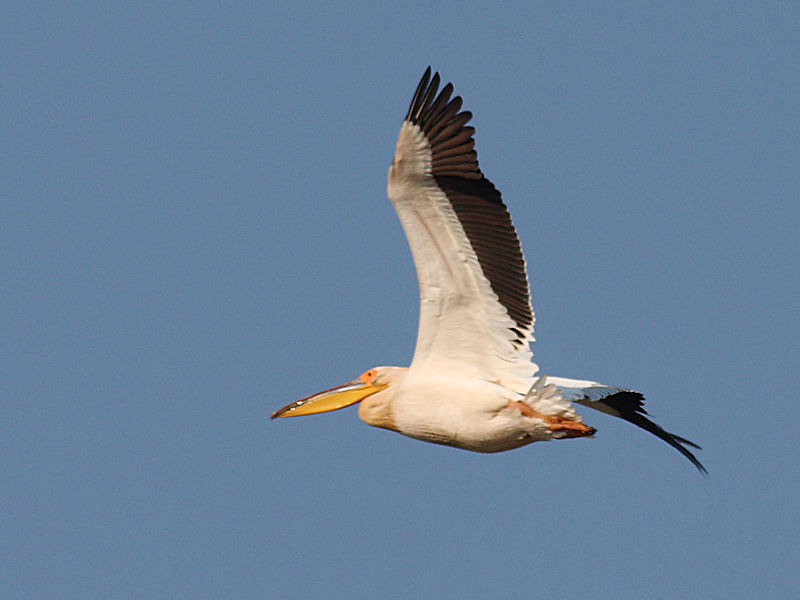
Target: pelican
point(472, 382)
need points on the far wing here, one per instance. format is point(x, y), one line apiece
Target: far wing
point(622, 403)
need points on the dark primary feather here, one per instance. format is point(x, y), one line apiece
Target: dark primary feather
point(629, 405)
point(475, 200)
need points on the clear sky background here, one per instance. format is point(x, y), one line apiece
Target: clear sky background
point(194, 231)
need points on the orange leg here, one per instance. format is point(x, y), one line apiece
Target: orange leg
point(572, 428)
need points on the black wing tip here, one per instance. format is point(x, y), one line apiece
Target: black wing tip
point(630, 406)
point(438, 114)
point(673, 440)
point(422, 89)
point(430, 102)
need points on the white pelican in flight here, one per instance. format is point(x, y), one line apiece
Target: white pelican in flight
point(472, 383)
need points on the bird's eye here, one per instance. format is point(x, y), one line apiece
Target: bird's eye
point(368, 376)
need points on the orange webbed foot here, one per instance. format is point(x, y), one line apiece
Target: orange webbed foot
point(569, 429)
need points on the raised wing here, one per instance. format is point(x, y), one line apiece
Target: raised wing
point(475, 313)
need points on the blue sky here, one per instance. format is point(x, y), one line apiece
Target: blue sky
point(194, 231)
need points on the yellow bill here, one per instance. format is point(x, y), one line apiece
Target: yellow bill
point(332, 399)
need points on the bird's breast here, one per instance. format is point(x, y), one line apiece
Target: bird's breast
point(469, 414)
